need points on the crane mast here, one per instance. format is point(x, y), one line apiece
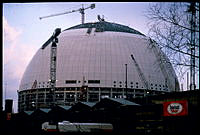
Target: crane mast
point(82, 14)
point(53, 40)
point(81, 10)
point(53, 69)
point(141, 75)
point(53, 63)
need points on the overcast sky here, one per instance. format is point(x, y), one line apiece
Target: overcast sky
point(24, 33)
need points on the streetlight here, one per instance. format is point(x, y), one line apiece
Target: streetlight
point(126, 81)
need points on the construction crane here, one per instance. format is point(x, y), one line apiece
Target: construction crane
point(160, 57)
point(54, 40)
point(141, 75)
point(81, 10)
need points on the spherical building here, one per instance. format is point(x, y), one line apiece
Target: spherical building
point(94, 61)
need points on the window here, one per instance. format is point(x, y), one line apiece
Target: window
point(59, 95)
point(70, 81)
point(94, 81)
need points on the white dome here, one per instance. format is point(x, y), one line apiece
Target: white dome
point(100, 57)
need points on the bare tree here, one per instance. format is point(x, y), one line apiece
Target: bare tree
point(170, 27)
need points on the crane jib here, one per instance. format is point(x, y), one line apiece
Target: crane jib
point(81, 10)
point(54, 36)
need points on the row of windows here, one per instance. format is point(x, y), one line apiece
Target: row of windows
point(89, 81)
point(98, 82)
point(138, 83)
point(94, 81)
point(157, 86)
point(142, 87)
point(70, 81)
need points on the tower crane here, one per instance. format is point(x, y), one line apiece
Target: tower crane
point(141, 75)
point(81, 10)
point(54, 41)
point(160, 58)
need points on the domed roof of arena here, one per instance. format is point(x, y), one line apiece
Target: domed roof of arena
point(95, 54)
point(107, 26)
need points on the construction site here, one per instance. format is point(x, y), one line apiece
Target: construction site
point(91, 61)
point(101, 73)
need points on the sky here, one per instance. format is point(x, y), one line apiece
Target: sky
point(24, 33)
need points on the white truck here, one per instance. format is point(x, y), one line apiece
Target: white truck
point(67, 126)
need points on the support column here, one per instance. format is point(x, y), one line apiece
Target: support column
point(87, 98)
point(99, 94)
point(45, 96)
point(36, 99)
point(111, 94)
point(122, 92)
point(75, 94)
point(64, 95)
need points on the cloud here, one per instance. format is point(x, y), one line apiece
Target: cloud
point(10, 36)
point(10, 33)
point(16, 56)
point(16, 53)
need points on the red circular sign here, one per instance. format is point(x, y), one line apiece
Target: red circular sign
point(174, 108)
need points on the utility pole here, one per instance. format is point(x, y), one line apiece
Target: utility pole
point(192, 9)
point(5, 90)
point(187, 80)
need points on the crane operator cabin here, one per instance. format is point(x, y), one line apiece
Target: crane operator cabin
point(91, 61)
